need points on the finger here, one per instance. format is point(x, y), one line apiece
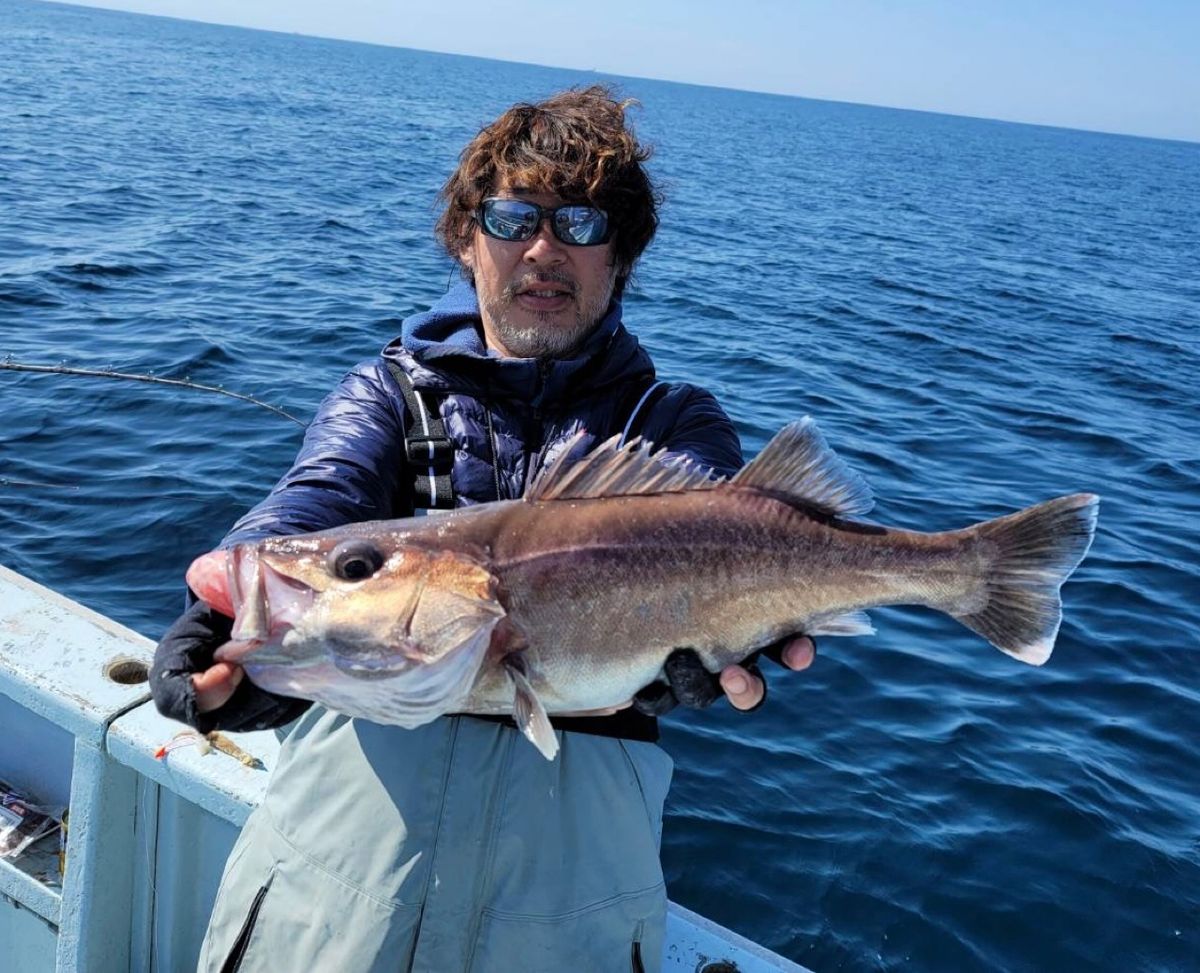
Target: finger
point(655, 699)
point(744, 689)
point(214, 686)
point(693, 685)
point(798, 653)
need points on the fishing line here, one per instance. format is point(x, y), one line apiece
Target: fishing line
point(15, 366)
point(8, 481)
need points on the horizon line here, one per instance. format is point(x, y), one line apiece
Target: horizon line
point(633, 77)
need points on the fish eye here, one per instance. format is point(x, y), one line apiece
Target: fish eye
point(355, 560)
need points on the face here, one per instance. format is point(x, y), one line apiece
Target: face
point(539, 298)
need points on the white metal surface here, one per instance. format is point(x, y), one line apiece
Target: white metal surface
point(694, 943)
point(59, 703)
point(52, 658)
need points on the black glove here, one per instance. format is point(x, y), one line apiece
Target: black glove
point(187, 648)
point(690, 684)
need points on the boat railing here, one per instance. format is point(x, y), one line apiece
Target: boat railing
point(152, 816)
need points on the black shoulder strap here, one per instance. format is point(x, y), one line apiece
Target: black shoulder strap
point(429, 451)
point(643, 406)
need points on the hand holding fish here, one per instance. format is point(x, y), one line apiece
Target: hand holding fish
point(190, 686)
point(578, 596)
point(686, 681)
point(216, 685)
point(744, 684)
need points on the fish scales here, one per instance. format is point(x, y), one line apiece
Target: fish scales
point(603, 591)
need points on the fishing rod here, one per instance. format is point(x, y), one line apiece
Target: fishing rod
point(16, 366)
point(8, 481)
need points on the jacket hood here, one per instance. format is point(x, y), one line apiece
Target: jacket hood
point(442, 349)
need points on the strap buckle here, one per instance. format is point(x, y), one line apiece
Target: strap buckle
point(428, 450)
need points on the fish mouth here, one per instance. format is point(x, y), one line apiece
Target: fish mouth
point(264, 602)
point(236, 652)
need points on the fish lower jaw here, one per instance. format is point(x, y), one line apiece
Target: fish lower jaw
point(237, 652)
point(260, 661)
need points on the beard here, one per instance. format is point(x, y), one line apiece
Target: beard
point(550, 336)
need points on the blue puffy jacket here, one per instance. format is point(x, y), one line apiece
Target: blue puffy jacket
point(352, 466)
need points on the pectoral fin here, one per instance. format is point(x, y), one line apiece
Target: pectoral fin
point(528, 711)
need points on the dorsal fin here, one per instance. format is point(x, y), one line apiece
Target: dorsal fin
point(798, 462)
point(610, 470)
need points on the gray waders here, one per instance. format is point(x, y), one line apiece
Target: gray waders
point(452, 847)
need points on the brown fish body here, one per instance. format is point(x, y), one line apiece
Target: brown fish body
point(573, 598)
point(603, 590)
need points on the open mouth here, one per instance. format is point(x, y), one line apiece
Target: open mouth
point(263, 601)
point(545, 296)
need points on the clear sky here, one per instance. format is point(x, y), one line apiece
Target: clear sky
point(1110, 65)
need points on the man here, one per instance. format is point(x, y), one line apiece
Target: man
point(457, 846)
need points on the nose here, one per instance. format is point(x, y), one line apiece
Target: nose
point(544, 248)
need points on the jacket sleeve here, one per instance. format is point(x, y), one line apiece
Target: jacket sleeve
point(688, 420)
point(349, 467)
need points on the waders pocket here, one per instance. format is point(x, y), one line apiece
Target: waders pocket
point(281, 910)
point(611, 937)
point(635, 957)
point(233, 961)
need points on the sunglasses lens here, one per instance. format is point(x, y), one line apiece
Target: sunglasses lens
point(583, 226)
point(515, 220)
point(509, 219)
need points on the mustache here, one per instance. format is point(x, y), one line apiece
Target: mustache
point(531, 280)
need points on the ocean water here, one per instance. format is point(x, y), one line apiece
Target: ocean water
point(980, 315)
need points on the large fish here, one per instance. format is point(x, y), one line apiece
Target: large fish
point(572, 598)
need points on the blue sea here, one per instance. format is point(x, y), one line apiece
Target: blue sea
point(980, 315)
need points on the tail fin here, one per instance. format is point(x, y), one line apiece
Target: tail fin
point(1032, 553)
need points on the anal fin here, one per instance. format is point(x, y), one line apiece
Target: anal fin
point(528, 711)
point(847, 623)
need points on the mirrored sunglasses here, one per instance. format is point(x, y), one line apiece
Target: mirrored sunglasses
point(515, 220)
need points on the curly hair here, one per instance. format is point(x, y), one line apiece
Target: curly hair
point(575, 145)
